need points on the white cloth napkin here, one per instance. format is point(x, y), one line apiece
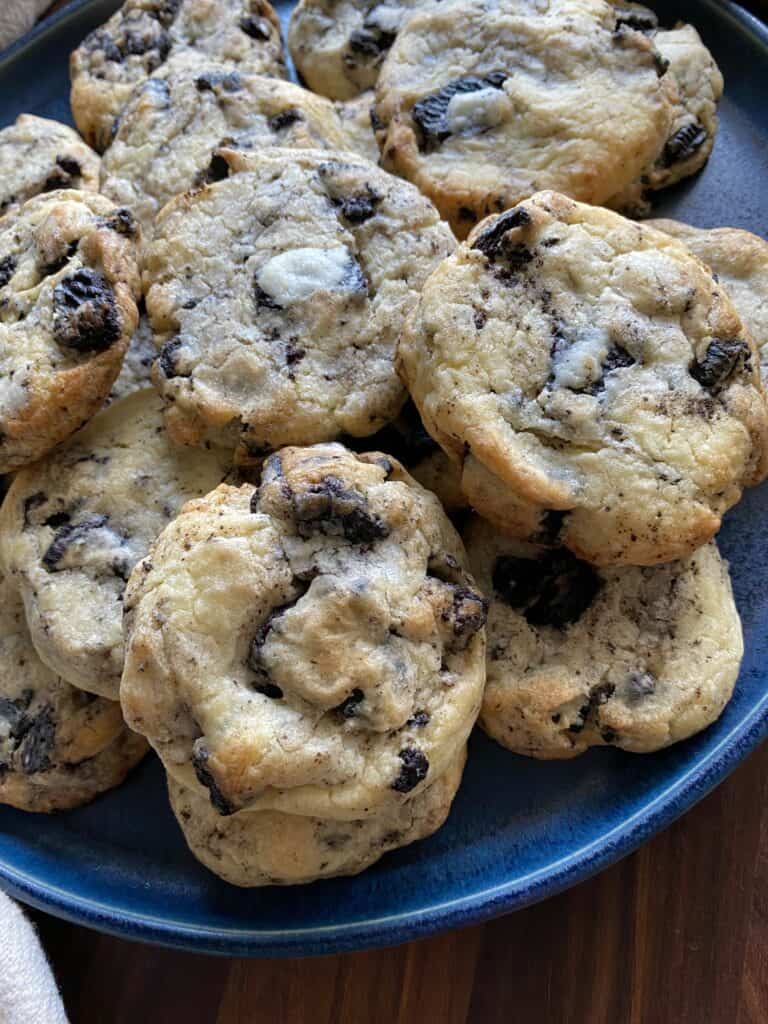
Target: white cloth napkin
point(18, 17)
point(28, 993)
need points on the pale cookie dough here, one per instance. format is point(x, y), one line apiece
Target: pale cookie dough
point(314, 646)
point(277, 295)
point(74, 525)
point(59, 747)
point(631, 657)
point(173, 122)
point(483, 104)
point(68, 280)
point(338, 46)
point(590, 376)
point(143, 34)
point(255, 848)
point(38, 155)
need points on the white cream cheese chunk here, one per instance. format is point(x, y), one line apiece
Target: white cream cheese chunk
point(299, 273)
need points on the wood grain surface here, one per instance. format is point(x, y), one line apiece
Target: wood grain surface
point(675, 934)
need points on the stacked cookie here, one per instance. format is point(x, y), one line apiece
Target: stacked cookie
point(601, 399)
point(223, 339)
point(308, 659)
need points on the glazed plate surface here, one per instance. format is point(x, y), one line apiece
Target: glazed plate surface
point(520, 830)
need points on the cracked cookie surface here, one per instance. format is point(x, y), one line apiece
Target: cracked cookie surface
point(59, 747)
point(483, 104)
point(593, 381)
point(172, 123)
point(74, 525)
point(276, 297)
point(338, 46)
point(271, 848)
point(143, 34)
point(68, 279)
point(633, 657)
point(39, 155)
point(314, 646)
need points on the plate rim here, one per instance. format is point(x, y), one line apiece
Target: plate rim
point(680, 795)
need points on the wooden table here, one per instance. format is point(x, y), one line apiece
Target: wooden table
point(675, 934)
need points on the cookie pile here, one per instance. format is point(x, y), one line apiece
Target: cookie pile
point(300, 486)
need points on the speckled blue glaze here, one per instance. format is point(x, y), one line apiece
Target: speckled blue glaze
point(519, 830)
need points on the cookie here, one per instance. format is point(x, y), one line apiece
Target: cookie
point(479, 107)
point(74, 525)
point(589, 372)
point(143, 34)
point(631, 657)
point(38, 155)
point(277, 294)
point(338, 46)
point(172, 123)
point(59, 747)
point(68, 279)
point(740, 261)
point(355, 117)
point(695, 122)
point(135, 373)
point(271, 848)
point(314, 646)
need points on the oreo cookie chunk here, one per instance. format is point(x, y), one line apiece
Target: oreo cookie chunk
point(476, 105)
point(636, 658)
point(69, 279)
point(314, 646)
point(143, 34)
point(38, 155)
point(59, 747)
point(339, 46)
point(173, 122)
point(277, 295)
point(74, 525)
point(608, 395)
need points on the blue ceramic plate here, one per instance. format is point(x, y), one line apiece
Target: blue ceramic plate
point(520, 830)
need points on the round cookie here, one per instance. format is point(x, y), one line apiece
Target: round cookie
point(172, 123)
point(38, 155)
point(74, 525)
point(59, 747)
point(591, 371)
point(355, 117)
point(314, 646)
point(143, 34)
point(68, 278)
point(632, 657)
point(478, 106)
point(276, 296)
point(338, 46)
point(271, 848)
point(740, 261)
point(135, 373)
point(695, 122)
